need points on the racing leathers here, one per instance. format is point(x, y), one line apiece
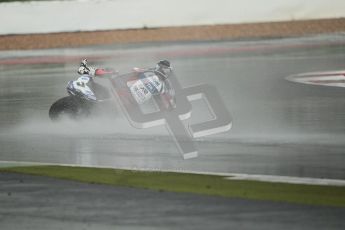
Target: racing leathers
point(151, 83)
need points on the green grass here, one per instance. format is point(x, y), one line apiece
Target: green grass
point(192, 183)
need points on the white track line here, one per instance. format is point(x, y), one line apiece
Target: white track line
point(329, 78)
point(228, 176)
point(288, 179)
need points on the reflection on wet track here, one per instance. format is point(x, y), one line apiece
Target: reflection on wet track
point(279, 127)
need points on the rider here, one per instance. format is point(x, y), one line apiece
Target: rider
point(163, 69)
point(152, 82)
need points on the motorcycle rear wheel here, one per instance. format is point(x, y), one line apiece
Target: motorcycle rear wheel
point(66, 107)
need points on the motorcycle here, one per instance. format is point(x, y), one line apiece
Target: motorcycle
point(84, 95)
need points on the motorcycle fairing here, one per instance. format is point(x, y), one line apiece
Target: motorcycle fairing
point(80, 88)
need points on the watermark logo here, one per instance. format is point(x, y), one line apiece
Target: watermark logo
point(172, 118)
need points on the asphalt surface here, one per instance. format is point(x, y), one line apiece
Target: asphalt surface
point(32, 202)
point(279, 127)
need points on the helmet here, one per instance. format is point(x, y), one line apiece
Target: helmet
point(163, 67)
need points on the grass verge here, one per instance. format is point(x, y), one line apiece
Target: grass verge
point(193, 183)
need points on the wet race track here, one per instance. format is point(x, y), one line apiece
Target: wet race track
point(279, 127)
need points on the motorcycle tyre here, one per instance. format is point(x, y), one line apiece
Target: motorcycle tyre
point(68, 107)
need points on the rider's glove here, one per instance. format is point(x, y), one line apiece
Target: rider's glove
point(83, 62)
